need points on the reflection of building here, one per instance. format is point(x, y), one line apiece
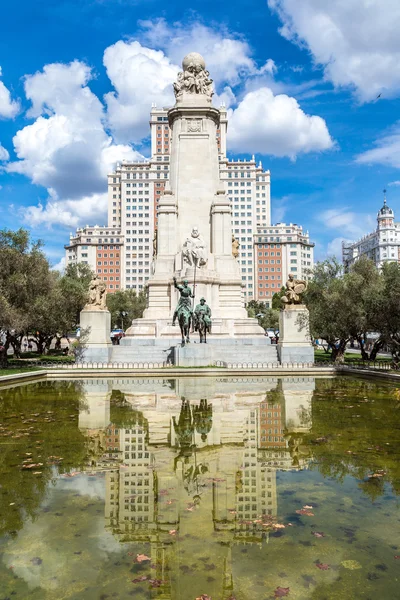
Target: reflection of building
point(201, 464)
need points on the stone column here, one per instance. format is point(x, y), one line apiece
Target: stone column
point(294, 338)
point(97, 346)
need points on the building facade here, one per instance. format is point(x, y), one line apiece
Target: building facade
point(280, 250)
point(382, 245)
point(102, 248)
point(267, 254)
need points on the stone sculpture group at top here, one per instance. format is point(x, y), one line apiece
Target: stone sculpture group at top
point(194, 79)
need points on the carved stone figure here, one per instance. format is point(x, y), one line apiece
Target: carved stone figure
point(194, 250)
point(202, 320)
point(294, 290)
point(155, 243)
point(183, 311)
point(194, 79)
point(97, 294)
point(235, 247)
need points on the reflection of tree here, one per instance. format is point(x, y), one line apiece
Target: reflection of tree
point(123, 416)
point(49, 435)
point(203, 418)
point(355, 429)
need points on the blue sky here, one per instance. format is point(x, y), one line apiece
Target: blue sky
point(301, 81)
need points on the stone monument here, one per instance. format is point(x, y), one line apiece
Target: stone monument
point(294, 339)
point(194, 233)
point(95, 319)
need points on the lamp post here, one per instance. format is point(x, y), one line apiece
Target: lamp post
point(123, 314)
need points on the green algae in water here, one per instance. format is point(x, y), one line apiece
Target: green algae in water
point(234, 488)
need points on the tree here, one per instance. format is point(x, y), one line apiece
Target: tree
point(268, 318)
point(24, 277)
point(340, 304)
point(125, 306)
point(276, 298)
point(385, 310)
point(34, 299)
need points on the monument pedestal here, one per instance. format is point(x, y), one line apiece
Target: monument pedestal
point(294, 339)
point(98, 344)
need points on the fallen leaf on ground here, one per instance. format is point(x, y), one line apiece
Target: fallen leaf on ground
point(142, 557)
point(322, 566)
point(280, 592)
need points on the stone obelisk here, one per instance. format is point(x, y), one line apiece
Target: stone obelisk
point(194, 233)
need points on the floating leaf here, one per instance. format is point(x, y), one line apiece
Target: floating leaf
point(280, 592)
point(36, 561)
point(142, 557)
point(304, 511)
point(155, 582)
point(307, 507)
point(139, 579)
point(172, 532)
point(322, 566)
point(279, 526)
point(397, 556)
point(204, 597)
point(318, 534)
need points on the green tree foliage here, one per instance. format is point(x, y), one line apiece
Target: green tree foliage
point(268, 318)
point(276, 298)
point(34, 300)
point(342, 305)
point(129, 302)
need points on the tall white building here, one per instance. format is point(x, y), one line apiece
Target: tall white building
point(280, 250)
point(382, 245)
point(134, 190)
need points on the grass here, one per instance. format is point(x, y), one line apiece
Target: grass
point(321, 356)
point(17, 371)
point(33, 357)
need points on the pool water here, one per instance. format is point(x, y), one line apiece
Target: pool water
point(230, 488)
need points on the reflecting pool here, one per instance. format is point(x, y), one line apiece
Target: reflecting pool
point(231, 488)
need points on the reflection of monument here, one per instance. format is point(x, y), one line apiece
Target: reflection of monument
point(194, 219)
point(294, 337)
point(196, 463)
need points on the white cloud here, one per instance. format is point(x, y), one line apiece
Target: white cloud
point(386, 151)
point(140, 77)
point(4, 155)
point(346, 222)
point(356, 41)
point(275, 125)
point(67, 212)
point(228, 57)
point(394, 183)
point(8, 107)
point(334, 247)
point(60, 266)
point(66, 149)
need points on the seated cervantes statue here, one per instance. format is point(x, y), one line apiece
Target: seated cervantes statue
point(194, 250)
point(294, 290)
point(97, 295)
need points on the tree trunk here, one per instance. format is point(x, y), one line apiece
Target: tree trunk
point(364, 353)
point(378, 345)
point(338, 351)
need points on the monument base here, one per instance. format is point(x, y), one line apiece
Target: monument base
point(294, 339)
point(97, 346)
point(221, 328)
